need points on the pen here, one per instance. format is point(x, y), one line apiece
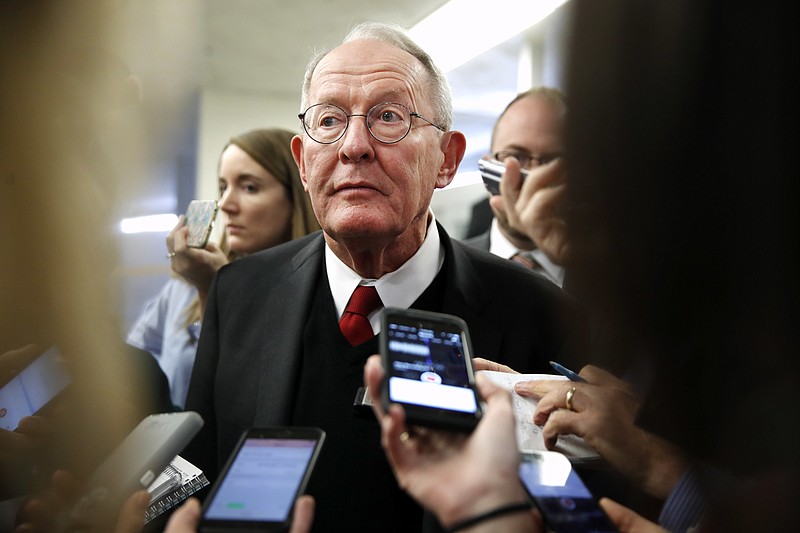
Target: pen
point(573, 376)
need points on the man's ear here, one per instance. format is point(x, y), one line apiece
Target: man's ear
point(453, 145)
point(297, 153)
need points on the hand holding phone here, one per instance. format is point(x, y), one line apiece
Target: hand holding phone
point(566, 504)
point(492, 172)
point(265, 474)
point(428, 362)
point(453, 475)
point(33, 388)
point(200, 216)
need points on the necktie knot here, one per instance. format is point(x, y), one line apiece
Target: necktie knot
point(526, 259)
point(354, 323)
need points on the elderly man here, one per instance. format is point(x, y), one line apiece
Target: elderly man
point(376, 115)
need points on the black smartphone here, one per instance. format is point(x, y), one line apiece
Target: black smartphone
point(267, 471)
point(33, 388)
point(492, 172)
point(566, 504)
point(428, 361)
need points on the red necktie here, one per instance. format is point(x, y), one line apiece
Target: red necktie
point(526, 259)
point(354, 324)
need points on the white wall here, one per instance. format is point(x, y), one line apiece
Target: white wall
point(224, 114)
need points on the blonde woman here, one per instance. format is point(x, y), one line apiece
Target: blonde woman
point(264, 204)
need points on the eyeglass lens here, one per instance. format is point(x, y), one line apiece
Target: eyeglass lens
point(387, 122)
point(525, 160)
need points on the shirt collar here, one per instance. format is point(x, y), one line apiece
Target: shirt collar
point(400, 288)
point(499, 245)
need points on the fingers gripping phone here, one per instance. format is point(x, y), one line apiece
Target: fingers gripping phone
point(566, 504)
point(200, 216)
point(492, 172)
point(265, 474)
point(428, 362)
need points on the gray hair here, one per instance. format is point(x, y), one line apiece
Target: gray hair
point(396, 36)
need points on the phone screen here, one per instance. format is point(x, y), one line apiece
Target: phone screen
point(428, 367)
point(32, 388)
point(263, 480)
point(560, 495)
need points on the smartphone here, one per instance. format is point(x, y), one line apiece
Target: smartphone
point(200, 216)
point(492, 172)
point(132, 466)
point(34, 388)
point(428, 362)
point(566, 504)
point(268, 469)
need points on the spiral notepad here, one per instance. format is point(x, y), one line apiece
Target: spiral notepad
point(179, 480)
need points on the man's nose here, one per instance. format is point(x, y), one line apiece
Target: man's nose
point(357, 141)
point(358, 124)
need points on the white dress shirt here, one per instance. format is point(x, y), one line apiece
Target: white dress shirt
point(500, 246)
point(400, 288)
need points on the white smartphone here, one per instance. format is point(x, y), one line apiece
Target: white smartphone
point(33, 389)
point(200, 217)
point(132, 466)
point(428, 361)
point(268, 470)
point(566, 504)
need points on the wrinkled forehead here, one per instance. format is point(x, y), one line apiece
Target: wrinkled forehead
point(367, 69)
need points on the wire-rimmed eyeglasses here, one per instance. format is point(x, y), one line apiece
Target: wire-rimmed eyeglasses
point(388, 122)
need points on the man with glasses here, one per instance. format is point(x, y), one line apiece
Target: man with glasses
point(530, 130)
point(277, 346)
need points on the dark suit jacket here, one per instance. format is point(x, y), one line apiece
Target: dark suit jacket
point(482, 241)
point(251, 343)
point(480, 219)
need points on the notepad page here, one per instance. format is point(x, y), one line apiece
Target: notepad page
point(529, 435)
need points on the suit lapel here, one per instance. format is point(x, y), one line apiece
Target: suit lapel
point(289, 305)
point(467, 296)
point(287, 311)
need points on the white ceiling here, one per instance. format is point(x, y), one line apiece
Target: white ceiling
point(264, 45)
